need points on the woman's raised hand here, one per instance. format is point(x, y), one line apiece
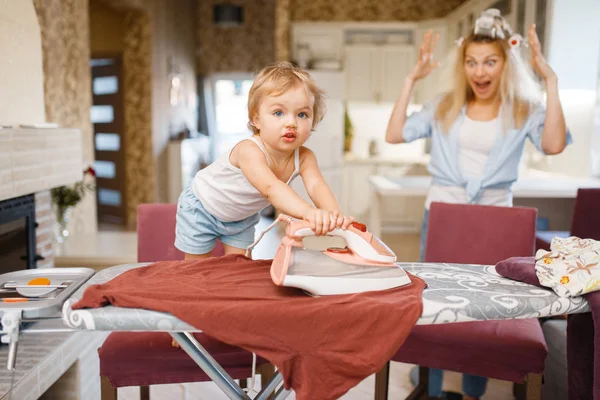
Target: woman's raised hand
point(425, 63)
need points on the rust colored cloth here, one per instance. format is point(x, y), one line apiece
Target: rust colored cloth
point(323, 346)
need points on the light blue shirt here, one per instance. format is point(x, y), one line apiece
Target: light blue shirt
point(502, 167)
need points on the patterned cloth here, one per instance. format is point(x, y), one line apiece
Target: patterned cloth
point(571, 267)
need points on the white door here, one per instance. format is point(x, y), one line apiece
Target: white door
point(396, 63)
point(361, 68)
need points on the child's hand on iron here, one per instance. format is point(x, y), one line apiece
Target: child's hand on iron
point(320, 220)
point(340, 220)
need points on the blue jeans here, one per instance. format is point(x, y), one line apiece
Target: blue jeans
point(472, 385)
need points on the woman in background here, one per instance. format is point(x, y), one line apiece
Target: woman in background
point(478, 129)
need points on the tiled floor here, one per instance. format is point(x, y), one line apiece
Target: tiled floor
point(406, 247)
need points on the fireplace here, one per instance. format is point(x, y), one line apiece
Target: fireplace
point(18, 234)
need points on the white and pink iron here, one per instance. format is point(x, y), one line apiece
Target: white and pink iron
point(365, 264)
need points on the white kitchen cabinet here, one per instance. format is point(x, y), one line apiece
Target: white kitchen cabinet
point(396, 63)
point(401, 213)
point(374, 72)
point(360, 72)
point(356, 193)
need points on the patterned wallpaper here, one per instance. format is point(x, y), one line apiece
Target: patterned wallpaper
point(137, 100)
point(282, 30)
point(369, 10)
point(264, 37)
point(245, 48)
point(67, 80)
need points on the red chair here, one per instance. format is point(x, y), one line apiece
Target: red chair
point(511, 350)
point(148, 358)
point(585, 222)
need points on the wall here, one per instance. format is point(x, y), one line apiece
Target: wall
point(595, 141)
point(578, 77)
point(248, 47)
point(174, 30)
point(137, 103)
point(106, 29)
point(368, 10)
point(21, 72)
point(282, 30)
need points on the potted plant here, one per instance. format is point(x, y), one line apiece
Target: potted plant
point(64, 198)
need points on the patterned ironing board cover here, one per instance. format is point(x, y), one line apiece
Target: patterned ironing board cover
point(455, 293)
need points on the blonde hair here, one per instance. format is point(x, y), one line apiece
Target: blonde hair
point(518, 87)
point(277, 78)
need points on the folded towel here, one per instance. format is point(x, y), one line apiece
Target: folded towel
point(520, 269)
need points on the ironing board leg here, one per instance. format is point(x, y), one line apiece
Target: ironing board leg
point(282, 394)
point(208, 364)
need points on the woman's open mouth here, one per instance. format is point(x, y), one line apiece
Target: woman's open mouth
point(481, 86)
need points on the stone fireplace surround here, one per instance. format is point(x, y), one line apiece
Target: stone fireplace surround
point(33, 161)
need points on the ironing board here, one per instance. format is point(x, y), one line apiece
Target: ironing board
point(455, 293)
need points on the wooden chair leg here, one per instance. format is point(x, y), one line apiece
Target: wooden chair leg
point(382, 382)
point(144, 392)
point(244, 383)
point(534, 386)
point(421, 391)
point(520, 390)
point(107, 391)
point(266, 371)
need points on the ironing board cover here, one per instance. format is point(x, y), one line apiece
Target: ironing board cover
point(454, 293)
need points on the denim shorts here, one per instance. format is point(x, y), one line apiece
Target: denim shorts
point(196, 230)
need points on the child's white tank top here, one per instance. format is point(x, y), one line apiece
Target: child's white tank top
point(225, 192)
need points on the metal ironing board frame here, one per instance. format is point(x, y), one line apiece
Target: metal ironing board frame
point(220, 377)
point(191, 346)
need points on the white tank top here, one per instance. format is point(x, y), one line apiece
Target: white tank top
point(476, 139)
point(227, 194)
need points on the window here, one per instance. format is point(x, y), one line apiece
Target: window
point(227, 109)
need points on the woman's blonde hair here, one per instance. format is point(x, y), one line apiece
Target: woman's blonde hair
point(518, 86)
point(275, 79)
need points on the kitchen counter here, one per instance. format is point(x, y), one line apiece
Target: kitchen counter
point(532, 184)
